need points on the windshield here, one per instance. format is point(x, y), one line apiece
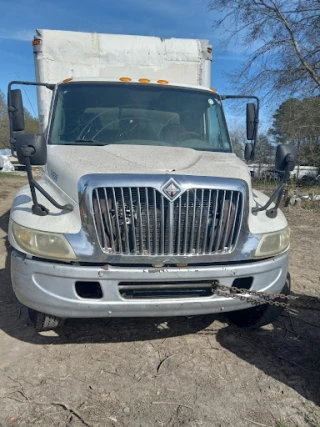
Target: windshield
point(138, 114)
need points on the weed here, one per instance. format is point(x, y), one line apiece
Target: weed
point(4, 175)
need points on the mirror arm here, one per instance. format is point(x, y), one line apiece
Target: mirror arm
point(289, 160)
point(279, 197)
point(28, 151)
point(277, 194)
point(67, 207)
point(273, 212)
point(11, 109)
point(38, 209)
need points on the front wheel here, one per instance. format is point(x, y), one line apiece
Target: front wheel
point(44, 322)
point(260, 315)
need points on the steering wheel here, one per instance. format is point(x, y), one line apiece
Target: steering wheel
point(140, 118)
point(86, 126)
point(171, 118)
point(189, 135)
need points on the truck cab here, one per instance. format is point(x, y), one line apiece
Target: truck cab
point(142, 208)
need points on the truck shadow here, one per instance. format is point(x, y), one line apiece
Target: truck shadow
point(287, 351)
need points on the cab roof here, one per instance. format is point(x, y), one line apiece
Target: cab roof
point(129, 81)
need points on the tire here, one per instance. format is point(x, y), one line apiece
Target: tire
point(44, 322)
point(260, 315)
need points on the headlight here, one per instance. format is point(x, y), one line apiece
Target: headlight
point(273, 243)
point(42, 244)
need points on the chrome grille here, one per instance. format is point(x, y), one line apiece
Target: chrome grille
point(142, 221)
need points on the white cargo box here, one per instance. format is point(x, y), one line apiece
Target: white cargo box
point(63, 54)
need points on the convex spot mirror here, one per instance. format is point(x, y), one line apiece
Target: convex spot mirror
point(252, 120)
point(33, 146)
point(286, 157)
point(15, 106)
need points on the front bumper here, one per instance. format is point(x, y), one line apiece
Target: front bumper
point(50, 287)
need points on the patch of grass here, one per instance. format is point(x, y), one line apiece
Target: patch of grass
point(10, 181)
point(265, 183)
point(315, 190)
point(4, 175)
point(281, 423)
point(308, 204)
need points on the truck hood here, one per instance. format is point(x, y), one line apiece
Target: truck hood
point(67, 164)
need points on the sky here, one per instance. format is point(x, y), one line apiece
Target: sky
point(163, 18)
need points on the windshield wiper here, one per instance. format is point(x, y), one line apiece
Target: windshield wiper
point(85, 141)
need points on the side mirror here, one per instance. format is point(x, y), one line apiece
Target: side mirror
point(286, 157)
point(248, 149)
point(15, 106)
point(32, 146)
point(251, 121)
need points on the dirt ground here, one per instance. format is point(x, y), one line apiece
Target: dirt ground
point(164, 372)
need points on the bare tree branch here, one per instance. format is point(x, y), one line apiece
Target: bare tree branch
point(282, 42)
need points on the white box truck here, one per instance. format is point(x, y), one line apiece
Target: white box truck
point(142, 208)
